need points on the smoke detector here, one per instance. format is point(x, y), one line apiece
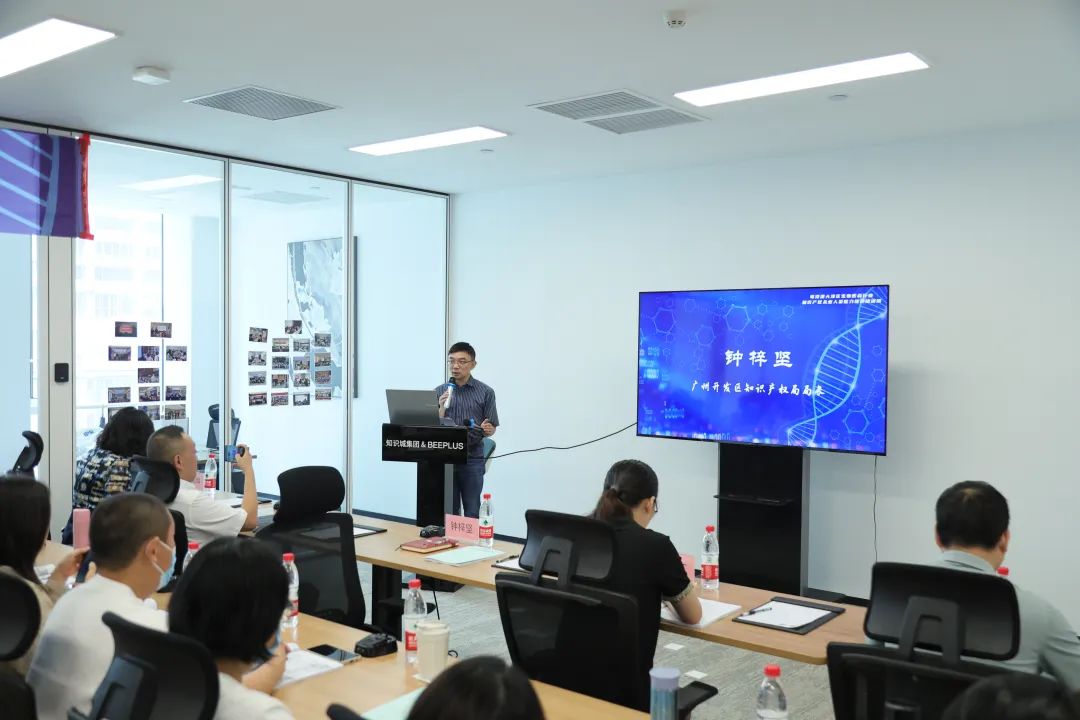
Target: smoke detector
point(149, 75)
point(675, 19)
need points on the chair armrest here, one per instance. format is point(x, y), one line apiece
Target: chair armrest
point(693, 695)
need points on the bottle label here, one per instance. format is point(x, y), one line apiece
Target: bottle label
point(710, 572)
point(295, 608)
point(487, 530)
point(410, 635)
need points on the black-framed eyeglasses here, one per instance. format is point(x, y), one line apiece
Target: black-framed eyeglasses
point(458, 363)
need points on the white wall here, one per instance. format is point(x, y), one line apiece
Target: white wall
point(977, 235)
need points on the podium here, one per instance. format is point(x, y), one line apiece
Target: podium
point(435, 449)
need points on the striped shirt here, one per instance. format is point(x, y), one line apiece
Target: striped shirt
point(473, 401)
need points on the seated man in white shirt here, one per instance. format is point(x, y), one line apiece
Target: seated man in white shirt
point(131, 537)
point(973, 533)
point(206, 518)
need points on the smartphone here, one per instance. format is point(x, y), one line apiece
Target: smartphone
point(84, 567)
point(334, 653)
point(231, 451)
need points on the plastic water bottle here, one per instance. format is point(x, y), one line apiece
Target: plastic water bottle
point(710, 559)
point(663, 694)
point(192, 548)
point(210, 471)
point(292, 613)
point(771, 701)
point(487, 522)
point(415, 613)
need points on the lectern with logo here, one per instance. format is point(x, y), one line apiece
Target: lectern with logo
point(435, 449)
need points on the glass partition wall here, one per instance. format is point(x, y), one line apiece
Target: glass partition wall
point(292, 298)
point(19, 391)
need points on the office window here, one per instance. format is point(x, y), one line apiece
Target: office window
point(156, 258)
point(288, 278)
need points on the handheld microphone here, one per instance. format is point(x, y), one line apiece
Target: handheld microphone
point(450, 390)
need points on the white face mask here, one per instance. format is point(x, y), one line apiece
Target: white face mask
point(167, 573)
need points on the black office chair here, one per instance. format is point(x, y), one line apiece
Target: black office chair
point(19, 625)
point(308, 525)
point(161, 480)
point(154, 676)
point(31, 454)
point(340, 712)
point(932, 619)
point(563, 628)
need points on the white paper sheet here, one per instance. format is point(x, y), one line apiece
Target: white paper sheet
point(396, 709)
point(511, 563)
point(711, 611)
point(302, 664)
point(784, 615)
point(464, 555)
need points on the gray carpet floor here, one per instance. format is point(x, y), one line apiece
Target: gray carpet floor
point(475, 629)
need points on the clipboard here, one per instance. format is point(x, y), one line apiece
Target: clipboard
point(834, 612)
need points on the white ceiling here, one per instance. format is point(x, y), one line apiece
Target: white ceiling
point(404, 68)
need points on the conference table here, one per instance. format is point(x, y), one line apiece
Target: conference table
point(382, 552)
point(367, 683)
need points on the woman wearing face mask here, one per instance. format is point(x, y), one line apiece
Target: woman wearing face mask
point(230, 599)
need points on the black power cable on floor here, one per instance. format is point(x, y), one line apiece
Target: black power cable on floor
point(568, 447)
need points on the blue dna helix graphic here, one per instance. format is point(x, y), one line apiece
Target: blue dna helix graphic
point(837, 370)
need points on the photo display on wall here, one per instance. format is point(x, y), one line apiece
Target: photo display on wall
point(149, 379)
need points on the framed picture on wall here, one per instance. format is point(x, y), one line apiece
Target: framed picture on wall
point(257, 335)
point(174, 412)
point(149, 353)
point(119, 353)
point(279, 362)
point(119, 395)
point(176, 353)
point(280, 345)
point(126, 329)
point(279, 399)
point(301, 398)
point(161, 329)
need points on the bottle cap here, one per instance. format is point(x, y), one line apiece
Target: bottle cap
point(288, 557)
point(487, 496)
point(1003, 571)
point(710, 528)
point(772, 671)
point(414, 584)
point(193, 546)
point(213, 455)
point(662, 678)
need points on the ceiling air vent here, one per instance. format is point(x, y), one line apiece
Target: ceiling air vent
point(261, 103)
point(619, 112)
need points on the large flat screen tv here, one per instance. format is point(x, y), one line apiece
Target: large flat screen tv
point(801, 367)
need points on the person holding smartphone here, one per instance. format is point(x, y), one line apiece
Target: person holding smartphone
point(24, 518)
point(206, 518)
point(230, 599)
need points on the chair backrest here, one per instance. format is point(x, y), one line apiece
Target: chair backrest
point(340, 712)
point(560, 629)
point(581, 638)
point(591, 542)
point(489, 450)
point(154, 477)
point(870, 682)
point(950, 611)
point(326, 562)
point(309, 492)
point(21, 618)
point(155, 676)
point(31, 454)
point(180, 536)
point(213, 434)
point(934, 617)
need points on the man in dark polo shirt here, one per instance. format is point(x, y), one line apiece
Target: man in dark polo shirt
point(472, 405)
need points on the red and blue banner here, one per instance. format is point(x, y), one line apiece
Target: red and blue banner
point(43, 184)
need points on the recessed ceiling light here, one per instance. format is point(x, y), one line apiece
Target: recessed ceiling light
point(804, 80)
point(171, 183)
point(426, 142)
point(46, 41)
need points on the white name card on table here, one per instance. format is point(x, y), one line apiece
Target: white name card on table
point(711, 611)
point(464, 529)
point(464, 555)
point(302, 664)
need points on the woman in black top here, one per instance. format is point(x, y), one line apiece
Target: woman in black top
point(647, 565)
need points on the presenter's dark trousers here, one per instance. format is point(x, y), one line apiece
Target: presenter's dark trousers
point(468, 484)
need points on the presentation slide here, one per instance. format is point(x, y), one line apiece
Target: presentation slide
point(804, 367)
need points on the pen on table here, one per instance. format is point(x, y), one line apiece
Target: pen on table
point(759, 610)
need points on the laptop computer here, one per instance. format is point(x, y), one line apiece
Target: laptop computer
point(413, 407)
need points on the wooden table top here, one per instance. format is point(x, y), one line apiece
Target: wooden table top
point(369, 682)
point(382, 549)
